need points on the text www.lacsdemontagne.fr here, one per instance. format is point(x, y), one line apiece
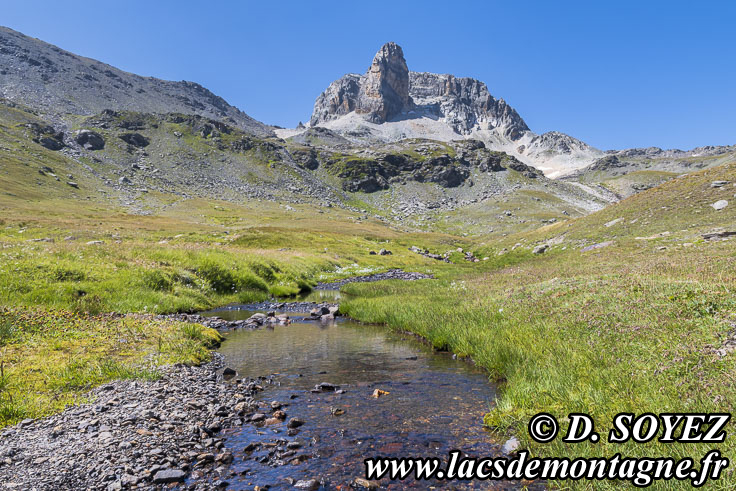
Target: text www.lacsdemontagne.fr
point(640, 472)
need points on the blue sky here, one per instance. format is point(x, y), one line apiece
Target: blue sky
point(614, 74)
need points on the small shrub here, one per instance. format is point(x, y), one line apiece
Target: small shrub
point(63, 274)
point(197, 332)
point(183, 279)
point(110, 369)
point(287, 290)
point(7, 330)
point(264, 271)
point(73, 375)
point(157, 280)
point(89, 304)
point(10, 410)
point(250, 282)
point(221, 280)
point(304, 285)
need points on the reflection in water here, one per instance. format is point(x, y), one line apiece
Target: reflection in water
point(318, 296)
point(435, 404)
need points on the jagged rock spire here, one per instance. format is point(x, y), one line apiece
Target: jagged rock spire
point(389, 89)
point(385, 90)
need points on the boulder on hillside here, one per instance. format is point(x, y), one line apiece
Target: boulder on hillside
point(305, 158)
point(135, 139)
point(90, 140)
point(46, 136)
point(51, 143)
point(369, 184)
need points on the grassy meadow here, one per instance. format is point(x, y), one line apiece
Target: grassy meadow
point(70, 270)
point(632, 324)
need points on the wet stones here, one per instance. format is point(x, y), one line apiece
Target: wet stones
point(325, 387)
point(360, 482)
point(307, 484)
point(295, 423)
point(426, 253)
point(324, 313)
point(169, 476)
point(393, 274)
point(135, 433)
point(511, 445)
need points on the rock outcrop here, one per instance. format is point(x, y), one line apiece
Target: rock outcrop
point(389, 90)
point(91, 140)
point(390, 103)
point(379, 95)
point(464, 104)
point(448, 166)
point(384, 91)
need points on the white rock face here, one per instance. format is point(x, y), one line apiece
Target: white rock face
point(720, 204)
point(390, 103)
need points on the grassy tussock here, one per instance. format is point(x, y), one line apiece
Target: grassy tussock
point(50, 358)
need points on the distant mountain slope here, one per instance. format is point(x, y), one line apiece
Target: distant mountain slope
point(389, 103)
point(144, 162)
point(56, 82)
point(627, 172)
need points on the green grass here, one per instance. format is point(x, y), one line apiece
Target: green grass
point(66, 264)
point(630, 327)
point(52, 357)
point(626, 328)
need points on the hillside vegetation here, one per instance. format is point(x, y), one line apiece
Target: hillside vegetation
point(645, 322)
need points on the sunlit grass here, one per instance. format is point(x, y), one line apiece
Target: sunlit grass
point(55, 356)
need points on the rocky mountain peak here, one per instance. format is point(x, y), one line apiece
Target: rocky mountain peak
point(388, 89)
point(390, 103)
point(385, 88)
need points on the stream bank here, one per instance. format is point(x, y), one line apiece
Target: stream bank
point(292, 405)
point(135, 434)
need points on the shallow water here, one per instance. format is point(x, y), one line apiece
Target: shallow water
point(318, 296)
point(435, 403)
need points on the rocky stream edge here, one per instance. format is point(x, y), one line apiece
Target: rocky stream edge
point(168, 432)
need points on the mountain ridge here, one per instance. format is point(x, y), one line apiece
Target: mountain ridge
point(402, 146)
point(58, 82)
point(442, 107)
